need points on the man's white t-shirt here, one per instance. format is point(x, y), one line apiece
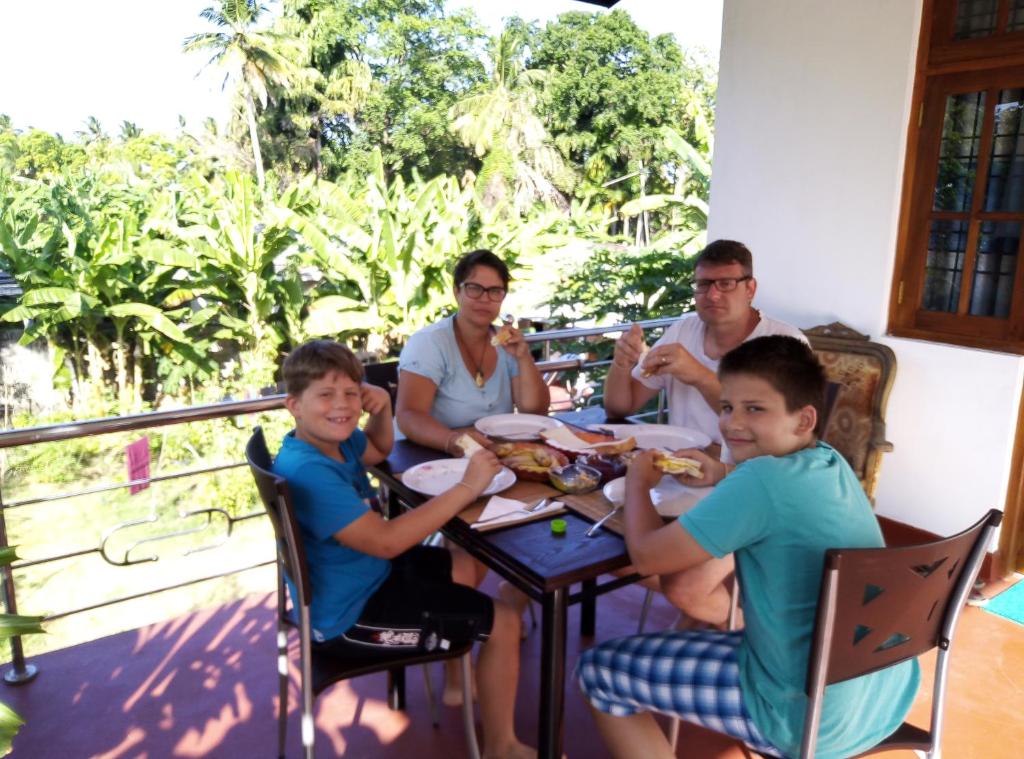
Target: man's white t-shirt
point(686, 406)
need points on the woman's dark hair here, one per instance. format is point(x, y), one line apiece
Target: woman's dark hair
point(785, 363)
point(469, 261)
point(723, 252)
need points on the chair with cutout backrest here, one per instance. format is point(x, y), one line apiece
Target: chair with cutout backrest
point(879, 607)
point(318, 671)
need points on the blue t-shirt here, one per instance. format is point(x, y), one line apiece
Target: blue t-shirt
point(433, 353)
point(779, 515)
point(328, 496)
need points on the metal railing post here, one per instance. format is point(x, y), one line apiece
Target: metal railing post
point(20, 672)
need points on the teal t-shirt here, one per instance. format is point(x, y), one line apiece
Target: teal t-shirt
point(779, 515)
point(328, 496)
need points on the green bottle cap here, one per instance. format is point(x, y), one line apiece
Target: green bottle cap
point(558, 527)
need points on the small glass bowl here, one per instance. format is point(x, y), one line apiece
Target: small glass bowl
point(575, 478)
point(610, 467)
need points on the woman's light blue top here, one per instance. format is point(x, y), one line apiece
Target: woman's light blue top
point(433, 353)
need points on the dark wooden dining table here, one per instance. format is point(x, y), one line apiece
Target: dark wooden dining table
point(541, 564)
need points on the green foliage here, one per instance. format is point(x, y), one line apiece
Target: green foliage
point(610, 89)
point(627, 285)
point(11, 625)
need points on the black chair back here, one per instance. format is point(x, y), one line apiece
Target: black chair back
point(384, 375)
point(277, 501)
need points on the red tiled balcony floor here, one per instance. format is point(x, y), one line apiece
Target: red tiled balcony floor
point(204, 685)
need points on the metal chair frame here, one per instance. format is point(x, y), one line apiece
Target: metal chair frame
point(319, 672)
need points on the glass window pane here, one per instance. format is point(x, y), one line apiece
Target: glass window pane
point(958, 154)
point(944, 266)
point(1016, 16)
point(994, 269)
point(1005, 191)
point(975, 18)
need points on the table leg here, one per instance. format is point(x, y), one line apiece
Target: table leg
point(552, 673)
point(588, 609)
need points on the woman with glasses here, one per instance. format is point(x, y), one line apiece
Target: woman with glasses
point(450, 373)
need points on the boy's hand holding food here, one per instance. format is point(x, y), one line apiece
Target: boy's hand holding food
point(483, 466)
point(374, 399)
point(643, 472)
point(465, 444)
point(709, 470)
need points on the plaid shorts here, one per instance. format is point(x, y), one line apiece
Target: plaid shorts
point(690, 674)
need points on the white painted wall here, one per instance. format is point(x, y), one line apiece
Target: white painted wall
point(813, 106)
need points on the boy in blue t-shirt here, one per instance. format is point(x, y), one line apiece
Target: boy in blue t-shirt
point(789, 499)
point(375, 588)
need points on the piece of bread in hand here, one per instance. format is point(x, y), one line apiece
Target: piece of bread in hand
point(502, 336)
point(468, 444)
point(640, 361)
point(670, 464)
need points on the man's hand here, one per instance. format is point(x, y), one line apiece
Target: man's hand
point(711, 470)
point(374, 399)
point(629, 347)
point(482, 467)
point(642, 472)
point(674, 359)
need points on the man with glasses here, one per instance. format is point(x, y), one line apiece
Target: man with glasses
point(684, 363)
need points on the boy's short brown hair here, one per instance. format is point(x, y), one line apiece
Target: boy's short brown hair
point(785, 363)
point(316, 359)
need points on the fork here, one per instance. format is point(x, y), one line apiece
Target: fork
point(600, 522)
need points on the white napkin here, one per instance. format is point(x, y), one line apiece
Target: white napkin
point(508, 510)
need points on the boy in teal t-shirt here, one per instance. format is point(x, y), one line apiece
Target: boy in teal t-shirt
point(790, 498)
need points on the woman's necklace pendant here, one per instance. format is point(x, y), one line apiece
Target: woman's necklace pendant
point(479, 378)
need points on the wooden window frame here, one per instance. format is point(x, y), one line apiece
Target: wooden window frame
point(945, 67)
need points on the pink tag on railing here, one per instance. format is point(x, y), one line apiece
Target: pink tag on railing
point(138, 463)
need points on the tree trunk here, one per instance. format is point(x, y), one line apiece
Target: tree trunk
point(250, 112)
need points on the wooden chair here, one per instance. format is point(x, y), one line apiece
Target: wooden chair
point(879, 607)
point(865, 372)
point(319, 671)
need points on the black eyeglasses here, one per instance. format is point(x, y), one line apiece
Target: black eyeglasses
point(723, 285)
point(475, 291)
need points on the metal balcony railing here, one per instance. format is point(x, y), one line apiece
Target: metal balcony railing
point(21, 671)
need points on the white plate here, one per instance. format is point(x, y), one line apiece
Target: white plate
point(670, 498)
point(516, 426)
point(435, 477)
point(657, 435)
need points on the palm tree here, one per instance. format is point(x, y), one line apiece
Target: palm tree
point(255, 60)
point(130, 130)
point(501, 126)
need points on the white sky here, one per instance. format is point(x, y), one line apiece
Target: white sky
point(65, 60)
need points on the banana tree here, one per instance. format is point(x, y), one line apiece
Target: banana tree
point(247, 288)
point(383, 251)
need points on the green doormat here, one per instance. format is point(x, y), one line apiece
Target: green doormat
point(1009, 603)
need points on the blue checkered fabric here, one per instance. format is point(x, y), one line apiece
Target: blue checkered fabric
point(689, 674)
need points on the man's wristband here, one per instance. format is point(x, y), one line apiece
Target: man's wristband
point(467, 487)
